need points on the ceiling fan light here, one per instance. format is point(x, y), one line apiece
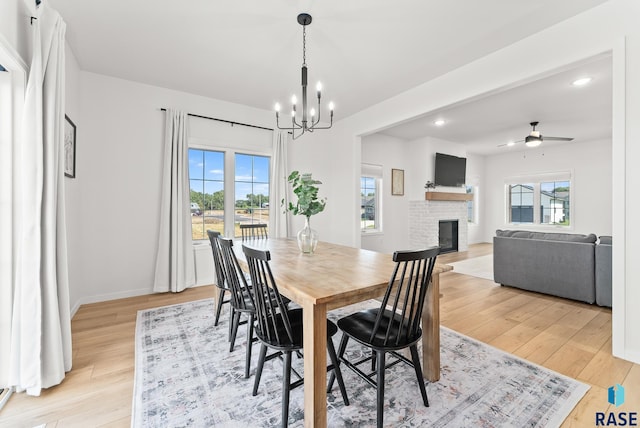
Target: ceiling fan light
point(532, 141)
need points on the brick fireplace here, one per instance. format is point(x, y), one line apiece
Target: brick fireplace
point(424, 222)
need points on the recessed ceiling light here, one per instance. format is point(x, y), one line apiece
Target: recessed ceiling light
point(439, 122)
point(582, 81)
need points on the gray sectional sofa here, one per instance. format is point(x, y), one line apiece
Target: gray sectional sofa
point(559, 264)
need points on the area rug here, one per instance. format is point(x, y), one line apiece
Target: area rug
point(186, 376)
point(480, 267)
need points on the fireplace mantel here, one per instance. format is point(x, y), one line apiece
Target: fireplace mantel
point(446, 196)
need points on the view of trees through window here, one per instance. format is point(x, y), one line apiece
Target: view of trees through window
point(206, 181)
point(207, 184)
point(554, 202)
point(252, 190)
point(368, 204)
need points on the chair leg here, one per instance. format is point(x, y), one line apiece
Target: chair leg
point(373, 360)
point(234, 329)
point(219, 305)
point(341, 349)
point(336, 371)
point(416, 364)
point(286, 388)
point(231, 315)
point(380, 383)
point(263, 355)
point(247, 366)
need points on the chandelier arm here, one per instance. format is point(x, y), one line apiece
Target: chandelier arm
point(284, 127)
point(293, 133)
point(325, 127)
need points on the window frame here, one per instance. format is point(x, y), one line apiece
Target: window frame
point(536, 181)
point(235, 181)
point(373, 172)
point(229, 177)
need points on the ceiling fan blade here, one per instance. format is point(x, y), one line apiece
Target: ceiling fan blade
point(510, 144)
point(557, 138)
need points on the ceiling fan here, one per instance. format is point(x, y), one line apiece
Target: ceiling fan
point(535, 138)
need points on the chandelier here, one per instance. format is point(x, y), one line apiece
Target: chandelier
point(308, 121)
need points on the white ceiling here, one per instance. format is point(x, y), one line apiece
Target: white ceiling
point(364, 51)
point(486, 124)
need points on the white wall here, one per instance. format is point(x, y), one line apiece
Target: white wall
point(610, 26)
point(476, 166)
point(73, 199)
point(15, 17)
point(417, 158)
point(590, 166)
point(120, 133)
point(390, 153)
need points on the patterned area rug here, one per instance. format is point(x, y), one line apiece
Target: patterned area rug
point(481, 267)
point(186, 376)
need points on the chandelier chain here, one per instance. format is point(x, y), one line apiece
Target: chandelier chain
point(304, 45)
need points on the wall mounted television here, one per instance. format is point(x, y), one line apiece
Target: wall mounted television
point(450, 170)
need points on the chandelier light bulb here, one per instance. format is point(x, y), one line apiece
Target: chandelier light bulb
point(277, 107)
point(319, 88)
point(293, 113)
point(313, 112)
point(331, 106)
point(294, 100)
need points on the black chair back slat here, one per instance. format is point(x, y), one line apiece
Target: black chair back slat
point(254, 231)
point(234, 276)
point(217, 260)
point(403, 301)
point(271, 312)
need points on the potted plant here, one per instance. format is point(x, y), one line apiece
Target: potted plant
point(306, 190)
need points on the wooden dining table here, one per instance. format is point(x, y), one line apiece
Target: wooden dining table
point(333, 277)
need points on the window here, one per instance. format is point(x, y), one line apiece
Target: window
point(471, 215)
point(251, 190)
point(370, 211)
point(554, 202)
point(521, 203)
point(549, 192)
point(368, 204)
point(206, 182)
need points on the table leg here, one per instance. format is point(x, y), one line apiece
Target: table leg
point(431, 331)
point(315, 365)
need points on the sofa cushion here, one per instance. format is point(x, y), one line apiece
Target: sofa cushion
point(606, 240)
point(565, 237)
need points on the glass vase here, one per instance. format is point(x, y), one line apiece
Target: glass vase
point(307, 238)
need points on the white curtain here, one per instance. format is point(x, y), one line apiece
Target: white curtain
point(175, 267)
point(279, 186)
point(40, 328)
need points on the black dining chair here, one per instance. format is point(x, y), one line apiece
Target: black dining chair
point(395, 325)
point(241, 297)
point(221, 283)
point(281, 329)
point(254, 231)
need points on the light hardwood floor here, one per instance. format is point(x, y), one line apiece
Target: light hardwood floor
point(569, 337)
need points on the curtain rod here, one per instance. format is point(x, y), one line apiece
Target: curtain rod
point(226, 121)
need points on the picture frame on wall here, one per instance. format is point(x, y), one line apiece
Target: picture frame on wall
point(69, 147)
point(397, 182)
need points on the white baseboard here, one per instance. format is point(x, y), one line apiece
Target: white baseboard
point(106, 297)
point(114, 296)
